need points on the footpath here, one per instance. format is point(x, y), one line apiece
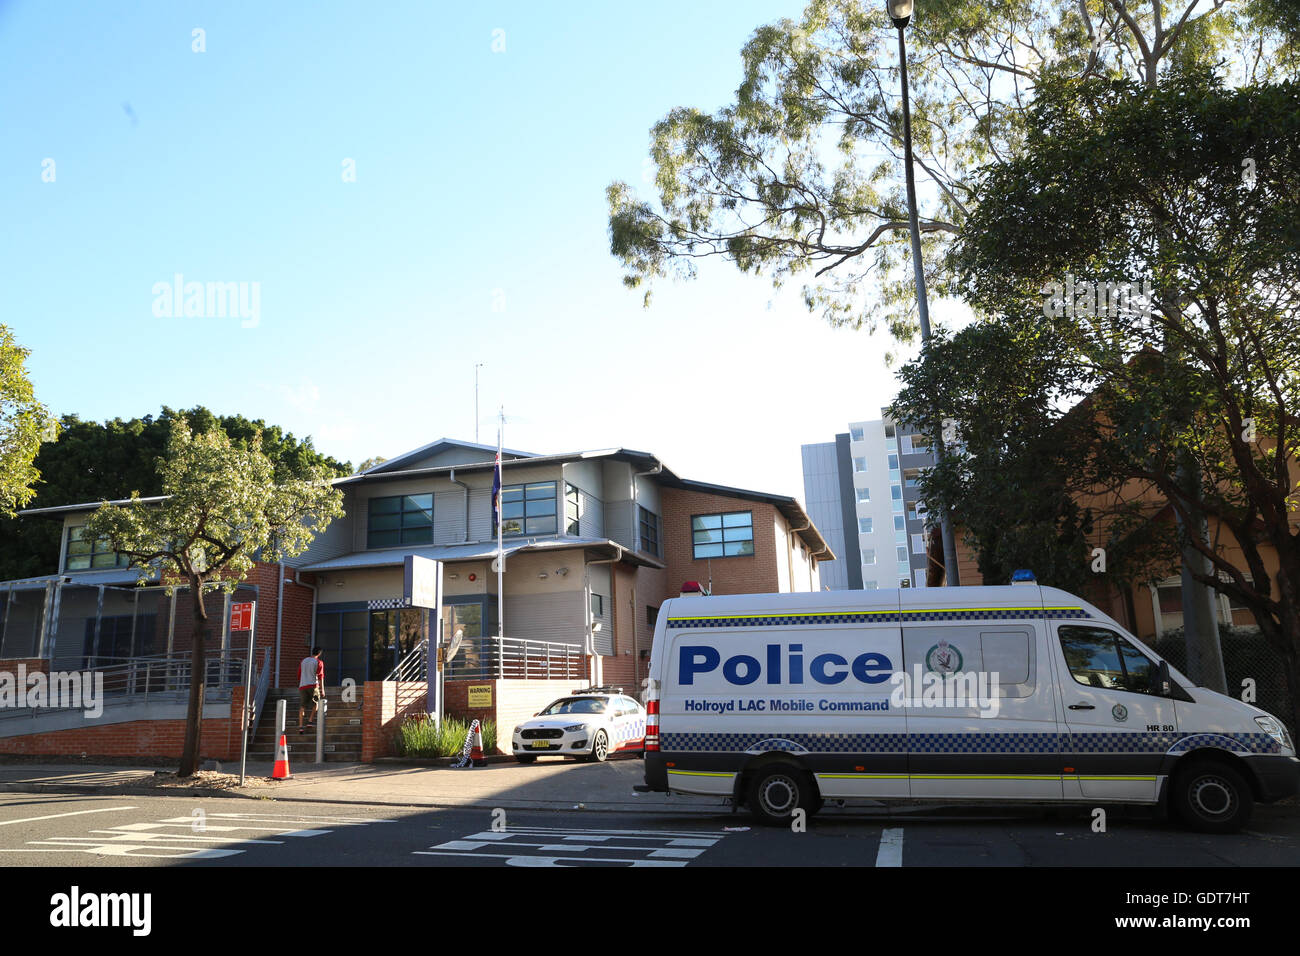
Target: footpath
point(544, 785)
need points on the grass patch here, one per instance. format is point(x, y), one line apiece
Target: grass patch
point(418, 737)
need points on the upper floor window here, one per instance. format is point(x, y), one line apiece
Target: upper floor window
point(723, 535)
point(402, 519)
point(649, 524)
point(88, 554)
point(859, 464)
point(864, 494)
point(864, 526)
point(528, 509)
point(856, 434)
point(572, 509)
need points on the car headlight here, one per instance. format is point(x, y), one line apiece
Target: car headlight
point(1275, 729)
point(574, 728)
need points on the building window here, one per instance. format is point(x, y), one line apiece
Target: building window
point(723, 535)
point(896, 493)
point(869, 585)
point(869, 556)
point(918, 544)
point(899, 524)
point(864, 526)
point(597, 605)
point(528, 509)
point(91, 554)
point(856, 434)
point(864, 494)
point(889, 431)
point(404, 519)
point(572, 509)
point(893, 462)
point(651, 615)
point(902, 556)
point(649, 523)
point(859, 464)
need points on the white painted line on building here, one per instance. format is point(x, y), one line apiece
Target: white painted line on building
point(74, 813)
point(891, 848)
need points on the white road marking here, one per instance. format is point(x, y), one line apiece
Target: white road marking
point(55, 816)
point(891, 848)
point(538, 846)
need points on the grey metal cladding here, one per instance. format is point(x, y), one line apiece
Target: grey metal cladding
point(848, 512)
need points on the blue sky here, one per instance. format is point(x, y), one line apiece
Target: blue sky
point(475, 230)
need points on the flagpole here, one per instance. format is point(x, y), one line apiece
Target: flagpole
point(501, 592)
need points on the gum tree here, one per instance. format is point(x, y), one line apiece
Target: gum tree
point(225, 508)
point(1193, 190)
point(24, 424)
point(801, 176)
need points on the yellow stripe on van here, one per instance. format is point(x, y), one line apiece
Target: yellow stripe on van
point(700, 773)
point(861, 776)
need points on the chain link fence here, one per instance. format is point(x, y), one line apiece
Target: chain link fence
point(1247, 656)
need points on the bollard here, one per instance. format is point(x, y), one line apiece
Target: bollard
point(320, 730)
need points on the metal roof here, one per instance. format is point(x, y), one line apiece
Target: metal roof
point(113, 577)
point(474, 551)
point(90, 505)
point(432, 446)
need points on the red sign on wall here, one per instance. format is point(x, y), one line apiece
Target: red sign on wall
point(241, 616)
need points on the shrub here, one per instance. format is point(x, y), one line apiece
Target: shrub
point(417, 736)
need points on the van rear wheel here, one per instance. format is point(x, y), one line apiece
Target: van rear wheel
point(1212, 798)
point(777, 791)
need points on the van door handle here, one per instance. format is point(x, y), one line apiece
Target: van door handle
point(1082, 707)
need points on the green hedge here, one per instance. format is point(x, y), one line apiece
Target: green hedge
point(418, 737)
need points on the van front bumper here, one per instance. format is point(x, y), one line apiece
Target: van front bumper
point(1277, 776)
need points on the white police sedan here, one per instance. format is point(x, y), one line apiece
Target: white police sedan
point(588, 724)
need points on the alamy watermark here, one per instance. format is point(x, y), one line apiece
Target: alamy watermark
point(1116, 300)
point(64, 690)
point(208, 300)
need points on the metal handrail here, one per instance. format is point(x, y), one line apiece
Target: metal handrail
point(152, 676)
point(259, 694)
point(505, 657)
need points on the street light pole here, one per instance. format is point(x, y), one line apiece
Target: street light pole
point(900, 12)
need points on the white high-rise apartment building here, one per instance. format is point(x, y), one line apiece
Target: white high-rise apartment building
point(862, 492)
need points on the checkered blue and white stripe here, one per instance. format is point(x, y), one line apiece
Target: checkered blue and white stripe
point(990, 743)
point(880, 617)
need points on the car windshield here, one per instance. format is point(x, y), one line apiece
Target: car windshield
point(576, 705)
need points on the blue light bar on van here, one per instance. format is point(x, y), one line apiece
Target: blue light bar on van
point(1023, 576)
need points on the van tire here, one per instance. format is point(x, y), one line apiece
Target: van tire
point(1211, 797)
point(775, 791)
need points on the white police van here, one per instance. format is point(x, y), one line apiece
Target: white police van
point(1016, 693)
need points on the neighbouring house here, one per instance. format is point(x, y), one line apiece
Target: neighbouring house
point(593, 543)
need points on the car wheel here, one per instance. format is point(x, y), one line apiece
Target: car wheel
point(1212, 798)
point(600, 747)
point(523, 758)
point(776, 791)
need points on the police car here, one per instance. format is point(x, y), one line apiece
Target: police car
point(589, 724)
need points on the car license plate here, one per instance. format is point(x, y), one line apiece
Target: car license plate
point(540, 744)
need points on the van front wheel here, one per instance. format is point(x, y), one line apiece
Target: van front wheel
point(777, 791)
point(1212, 798)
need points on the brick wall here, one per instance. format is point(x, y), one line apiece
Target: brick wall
point(386, 704)
point(749, 574)
point(219, 740)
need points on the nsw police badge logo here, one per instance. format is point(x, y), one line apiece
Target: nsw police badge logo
point(943, 658)
point(1119, 712)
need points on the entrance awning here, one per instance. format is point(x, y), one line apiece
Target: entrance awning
point(480, 551)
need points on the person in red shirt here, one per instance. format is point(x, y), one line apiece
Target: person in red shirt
point(311, 687)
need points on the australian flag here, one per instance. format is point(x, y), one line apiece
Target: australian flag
point(496, 494)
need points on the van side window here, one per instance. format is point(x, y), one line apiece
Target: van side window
point(1098, 657)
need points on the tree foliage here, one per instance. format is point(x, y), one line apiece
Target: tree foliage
point(801, 175)
point(92, 461)
point(23, 424)
point(1188, 194)
point(225, 507)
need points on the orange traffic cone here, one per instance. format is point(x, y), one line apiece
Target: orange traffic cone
point(476, 758)
point(281, 771)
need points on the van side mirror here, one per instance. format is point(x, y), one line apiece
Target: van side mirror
point(1163, 682)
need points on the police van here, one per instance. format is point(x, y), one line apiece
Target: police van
point(1020, 693)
